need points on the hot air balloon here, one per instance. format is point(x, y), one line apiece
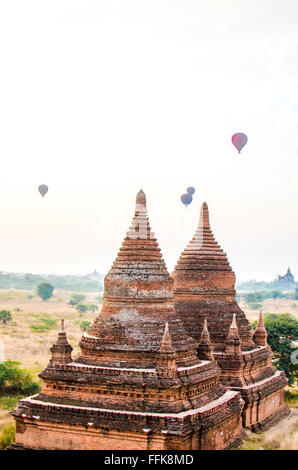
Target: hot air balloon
point(43, 189)
point(190, 190)
point(239, 140)
point(186, 199)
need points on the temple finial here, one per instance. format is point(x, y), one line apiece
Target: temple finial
point(233, 344)
point(205, 332)
point(261, 320)
point(166, 364)
point(204, 216)
point(166, 342)
point(61, 350)
point(141, 198)
point(260, 334)
point(234, 322)
point(205, 350)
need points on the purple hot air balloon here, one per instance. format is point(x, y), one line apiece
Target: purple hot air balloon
point(190, 190)
point(186, 199)
point(239, 140)
point(43, 189)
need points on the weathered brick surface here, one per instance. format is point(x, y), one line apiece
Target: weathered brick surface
point(204, 288)
point(138, 382)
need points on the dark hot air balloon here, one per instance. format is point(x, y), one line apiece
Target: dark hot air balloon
point(190, 190)
point(239, 140)
point(186, 199)
point(43, 189)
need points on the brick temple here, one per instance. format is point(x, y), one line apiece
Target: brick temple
point(204, 288)
point(287, 278)
point(141, 381)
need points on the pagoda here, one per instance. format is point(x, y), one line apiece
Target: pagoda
point(204, 287)
point(287, 278)
point(140, 381)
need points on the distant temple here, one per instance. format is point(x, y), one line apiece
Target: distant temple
point(287, 278)
point(169, 363)
point(95, 276)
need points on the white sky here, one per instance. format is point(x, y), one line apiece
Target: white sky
point(101, 98)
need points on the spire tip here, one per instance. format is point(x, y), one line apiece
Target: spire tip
point(141, 198)
point(234, 322)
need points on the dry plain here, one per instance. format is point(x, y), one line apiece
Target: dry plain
point(32, 349)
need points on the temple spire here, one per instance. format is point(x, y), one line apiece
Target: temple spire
point(139, 245)
point(205, 350)
point(166, 365)
point(61, 350)
point(261, 320)
point(260, 334)
point(204, 216)
point(233, 344)
point(205, 332)
point(166, 342)
point(203, 251)
point(234, 322)
point(138, 291)
point(141, 198)
point(203, 268)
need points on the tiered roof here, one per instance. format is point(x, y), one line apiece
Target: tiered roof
point(138, 300)
point(204, 287)
point(203, 252)
point(138, 378)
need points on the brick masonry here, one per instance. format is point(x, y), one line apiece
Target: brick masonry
point(204, 288)
point(139, 382)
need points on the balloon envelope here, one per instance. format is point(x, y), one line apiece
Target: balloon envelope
point(186, 199)
point(190, 190)
point(43, 189)
point(239, 140)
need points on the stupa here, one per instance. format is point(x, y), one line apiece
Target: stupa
point(287, 278)
point(139, 382)
point(204, 287)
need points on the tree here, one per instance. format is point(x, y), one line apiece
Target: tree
point(277, 294)
point(282, 329)
point(16, 379)
point(92, 307)
point(76, 299)
point(254, 305)
point(7, 436)
point(81, 308)
point(5, 316)
point(84, 325)
point(253, 297)
point(296, 293)
point(45, 290)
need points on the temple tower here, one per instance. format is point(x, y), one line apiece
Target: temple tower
point(205, 349)
point(138, 382)
point(260, 334)
point(61, 350)
point(204, 287)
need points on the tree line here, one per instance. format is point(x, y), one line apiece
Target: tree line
point(65, 282)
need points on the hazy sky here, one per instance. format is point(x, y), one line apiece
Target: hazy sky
point(101, 98)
